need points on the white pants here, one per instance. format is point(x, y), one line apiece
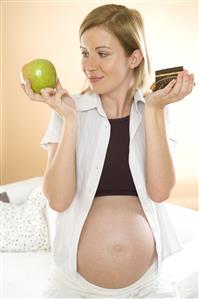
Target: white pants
point(148, 286)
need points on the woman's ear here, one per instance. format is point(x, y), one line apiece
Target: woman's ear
point(135, 58)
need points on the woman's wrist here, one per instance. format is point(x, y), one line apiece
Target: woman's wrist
point(151, 110)
point(70, 121)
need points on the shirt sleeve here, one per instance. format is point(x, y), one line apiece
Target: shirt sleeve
point(54, 129)
point(170, 128)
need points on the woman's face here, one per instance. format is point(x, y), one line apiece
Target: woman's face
point(104, 62)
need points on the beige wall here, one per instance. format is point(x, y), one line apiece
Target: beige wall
point(50, 30)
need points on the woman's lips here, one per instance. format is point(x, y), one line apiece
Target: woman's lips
point(93, 80)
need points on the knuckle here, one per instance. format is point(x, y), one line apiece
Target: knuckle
point(58, 96)
point(63, 91)
point(60, 92)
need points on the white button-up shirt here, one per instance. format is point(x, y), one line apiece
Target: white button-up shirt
point(92, 141)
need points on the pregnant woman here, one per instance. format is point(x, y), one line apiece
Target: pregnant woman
point(109, 165)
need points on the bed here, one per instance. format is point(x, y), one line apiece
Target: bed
point(24, 274)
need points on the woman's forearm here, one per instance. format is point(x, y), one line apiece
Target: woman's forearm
point(60, 177)
point(160, 172)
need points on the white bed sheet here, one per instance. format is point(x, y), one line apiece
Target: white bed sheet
point(25, 275)
point(181, 270)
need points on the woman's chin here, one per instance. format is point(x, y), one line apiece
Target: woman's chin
point(95, 89)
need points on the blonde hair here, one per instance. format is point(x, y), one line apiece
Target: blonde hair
point(127, 26)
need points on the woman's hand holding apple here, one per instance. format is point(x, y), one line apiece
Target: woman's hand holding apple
point(58, 99)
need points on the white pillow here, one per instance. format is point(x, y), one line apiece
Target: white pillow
point(19, 191)
point(24, 227)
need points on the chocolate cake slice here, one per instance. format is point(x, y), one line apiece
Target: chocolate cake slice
point(164, 76)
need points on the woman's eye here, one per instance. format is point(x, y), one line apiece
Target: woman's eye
point(103, 54)
point(85, 54)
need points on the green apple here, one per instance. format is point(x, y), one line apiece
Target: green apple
point(41, 73)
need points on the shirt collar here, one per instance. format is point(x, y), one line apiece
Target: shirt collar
point(92, 100)
point(138, 97)
point(85, 101)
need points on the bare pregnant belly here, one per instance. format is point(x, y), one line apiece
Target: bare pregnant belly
point(116, 245)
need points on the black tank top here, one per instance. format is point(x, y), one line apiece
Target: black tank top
point(116, 178)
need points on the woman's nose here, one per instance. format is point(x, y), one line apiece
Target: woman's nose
point(90, 64)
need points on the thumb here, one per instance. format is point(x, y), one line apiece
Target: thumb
point(58, 85)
